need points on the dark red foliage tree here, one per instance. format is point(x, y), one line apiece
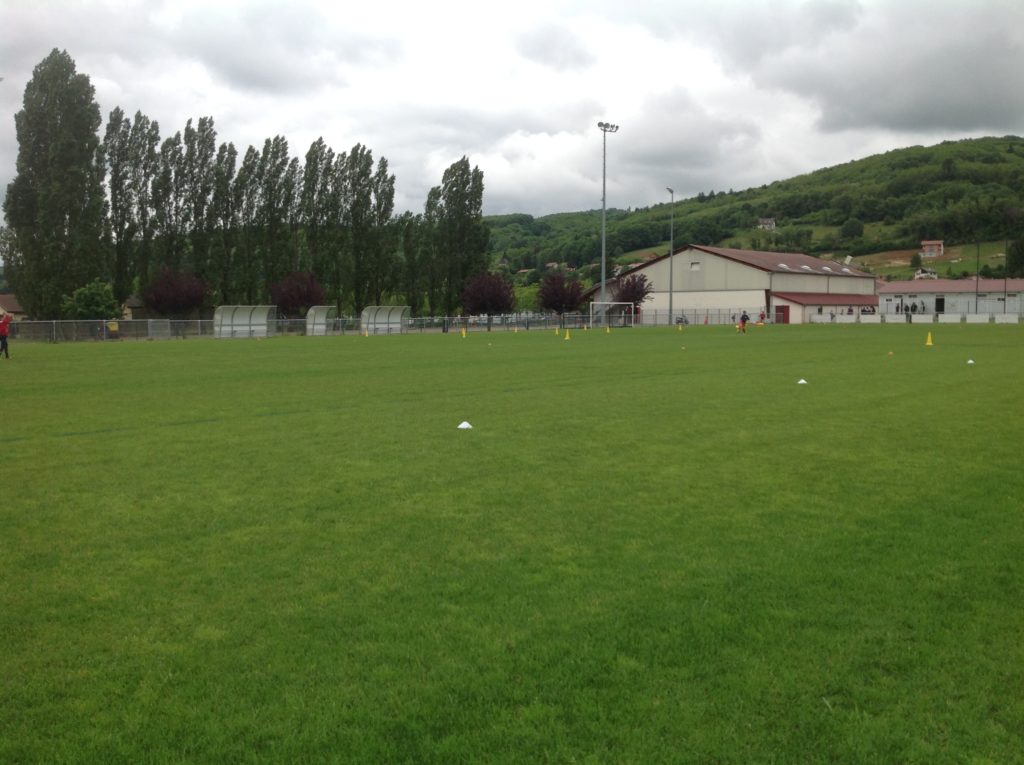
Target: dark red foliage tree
point(558, 294)
point(173, 293)
point(633, 289)
point(296, 294)
point(488, 294)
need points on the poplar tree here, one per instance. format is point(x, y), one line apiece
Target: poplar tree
point(462, 234)
point(143, 163)
point(200, 147)
point(273, 213)
point(383, 267)
point(169, 208)
point(360, 220)
point(55, 204)
point(245, 274)
point(315, 206)
point(121, 221)
point(223, 222)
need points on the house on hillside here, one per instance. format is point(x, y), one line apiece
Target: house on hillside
point(788, 287)
point(932, 248)
point(766, 224)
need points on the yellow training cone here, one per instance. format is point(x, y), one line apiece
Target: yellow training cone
point(928, 342)
point(607, 330)
point(463, 331)
point(567, 337)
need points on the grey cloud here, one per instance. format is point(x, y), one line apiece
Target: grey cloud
point(741, 34)
point(916, 65)
point(961, 72)
point(277, 49)
point(677, 139)
point(556, 47)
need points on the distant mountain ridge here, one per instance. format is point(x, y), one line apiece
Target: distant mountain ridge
point(958, 191)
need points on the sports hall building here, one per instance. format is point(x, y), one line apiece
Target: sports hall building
point(718, 282)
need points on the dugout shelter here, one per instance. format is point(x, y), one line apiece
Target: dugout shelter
point(385, 319)
point(320, 320)
point(244, 321)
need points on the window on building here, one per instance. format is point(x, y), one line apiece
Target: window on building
point(695, 265)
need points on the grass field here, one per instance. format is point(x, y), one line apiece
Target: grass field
point(653, 546)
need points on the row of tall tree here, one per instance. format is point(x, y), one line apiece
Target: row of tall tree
point(133, 208)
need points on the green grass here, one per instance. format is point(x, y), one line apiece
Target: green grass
point(285, 551)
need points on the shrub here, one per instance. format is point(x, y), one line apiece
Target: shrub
point(296, 294)
point(173, 293)
point(488, 294)
point(558, 294)
point(634, 289)
point(93, 301)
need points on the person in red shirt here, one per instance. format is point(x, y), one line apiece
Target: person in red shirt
point(5, 323)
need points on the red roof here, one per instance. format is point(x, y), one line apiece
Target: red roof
point(929, 286)
point(826, 298)
point(10, 303)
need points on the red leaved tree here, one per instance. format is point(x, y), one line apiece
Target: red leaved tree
point(488, 294)
point(558, 294)
point(634, 288)
point(296, 294)
point(173, 293)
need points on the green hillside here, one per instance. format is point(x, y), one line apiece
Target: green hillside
point(959, 191)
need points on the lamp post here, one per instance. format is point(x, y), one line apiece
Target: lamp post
point(606, 128)
point(671, 247)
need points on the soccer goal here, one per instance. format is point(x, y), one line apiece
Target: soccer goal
point(611, 314)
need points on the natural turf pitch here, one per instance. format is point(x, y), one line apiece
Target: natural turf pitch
point(285, 551)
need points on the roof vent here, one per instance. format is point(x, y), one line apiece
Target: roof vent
point(826, 268)
point(806, 268)
point(783, 265)
point(847, 271)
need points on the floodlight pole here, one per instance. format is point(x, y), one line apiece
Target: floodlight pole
point(606, 128)
point(671, 247)
point(977, 270)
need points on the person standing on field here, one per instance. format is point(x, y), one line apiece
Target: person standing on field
point(5, 323)
point(744, 318)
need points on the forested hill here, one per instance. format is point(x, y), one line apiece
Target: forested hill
point(959, 191)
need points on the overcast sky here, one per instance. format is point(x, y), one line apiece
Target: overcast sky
point(712, 94)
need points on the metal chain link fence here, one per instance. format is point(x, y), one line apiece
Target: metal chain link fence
point(172, 329)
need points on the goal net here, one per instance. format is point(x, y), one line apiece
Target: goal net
point(611, 314)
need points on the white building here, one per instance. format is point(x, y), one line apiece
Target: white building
point(716, 282)
point(952, 296)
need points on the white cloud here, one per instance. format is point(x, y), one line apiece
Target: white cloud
point(708, 95)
